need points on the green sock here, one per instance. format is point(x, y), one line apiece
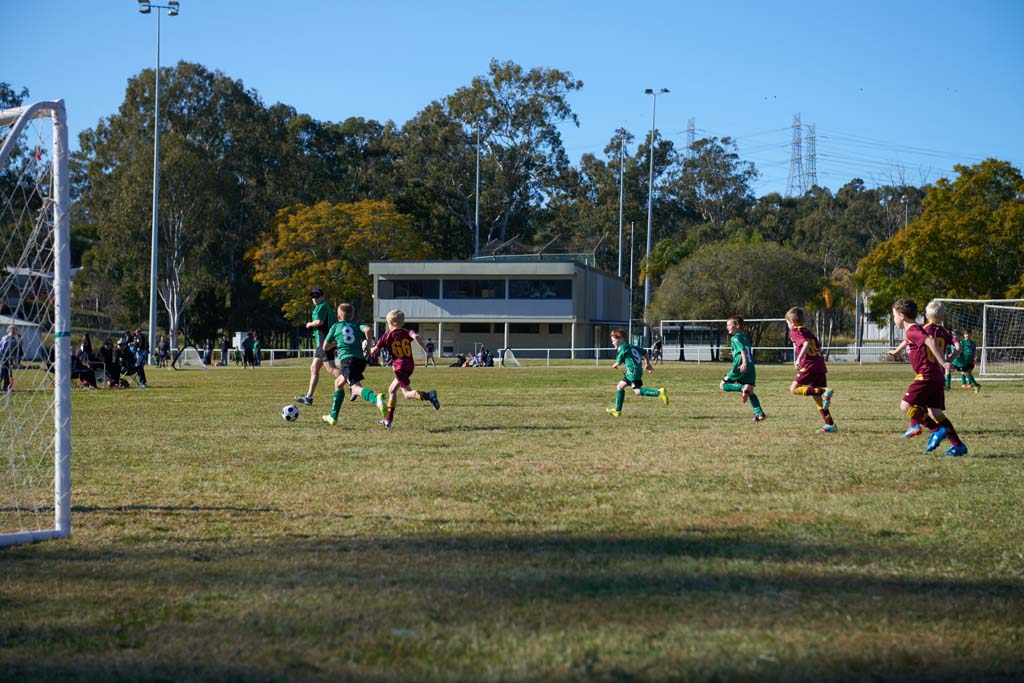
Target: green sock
point(620, 396)
point(963, 379)
point(732, 386)
point(949, 379)
point(368, 396)
point(754, 401)
point(647, 391)
point(336, 400)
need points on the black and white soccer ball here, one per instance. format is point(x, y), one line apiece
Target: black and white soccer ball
point(290, 412)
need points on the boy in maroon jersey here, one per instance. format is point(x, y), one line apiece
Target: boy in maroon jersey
point(935, 314)
point(398, 341)
point(810, 368)
point(925, 399)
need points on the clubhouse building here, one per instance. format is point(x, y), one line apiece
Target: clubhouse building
point(530, 303)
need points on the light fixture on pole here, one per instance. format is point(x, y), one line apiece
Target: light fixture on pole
point(906, 211)
point(172, 8)
point(650, 197)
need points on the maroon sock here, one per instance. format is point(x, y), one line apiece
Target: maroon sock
point(826, 415)
point(954, 438)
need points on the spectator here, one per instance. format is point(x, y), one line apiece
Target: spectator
point(460, 360)
point(256, 348)
point(225, 344)
point(430, 354)
point(163, 352)
point(207, 352)
point(248, 360)
point(128, 354)
point(9, 357)
point(111, 364)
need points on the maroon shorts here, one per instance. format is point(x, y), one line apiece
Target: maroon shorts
point(811, 379)
point(926, 394)
point(403, 368)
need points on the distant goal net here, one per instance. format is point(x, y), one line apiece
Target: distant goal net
point(997, 329)
point(35, 322)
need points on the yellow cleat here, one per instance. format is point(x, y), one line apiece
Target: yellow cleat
point(328, 419)
point(613, 412)
point(663, 395)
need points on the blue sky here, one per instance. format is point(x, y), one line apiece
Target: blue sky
point(911, 87)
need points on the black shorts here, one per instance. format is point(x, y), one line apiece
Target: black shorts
point(635, 383)
point(330, 355)
point(352, 370)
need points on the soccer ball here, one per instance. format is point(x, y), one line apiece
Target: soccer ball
point(290, 412)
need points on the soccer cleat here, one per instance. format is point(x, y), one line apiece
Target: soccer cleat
point(613, 412)
point(977, 388)
point(304, 400)
point(911, 432)
point(935, 439)
point(663, 395)
point(760, 417)
point(382, 405)
point(957, 451)
point(328, 419)
point(385, 423)
point(826, 399)
point(143, 385)
point(432, 397)
point(745, 394)
point(353, 397)
point(826, 429)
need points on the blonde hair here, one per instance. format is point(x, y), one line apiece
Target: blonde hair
point(935, 311)
point(396, 318)
point(795, 315)
point(618, 334)
point(346, 311)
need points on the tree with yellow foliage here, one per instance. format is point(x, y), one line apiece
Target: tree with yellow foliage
point(331, 246)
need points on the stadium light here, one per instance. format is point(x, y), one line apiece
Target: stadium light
point(172, 8)
point(650, 196)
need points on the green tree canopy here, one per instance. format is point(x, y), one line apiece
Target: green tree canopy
point(331, 246)
point(968, 242)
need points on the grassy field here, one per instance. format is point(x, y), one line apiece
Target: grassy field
point(522, 534)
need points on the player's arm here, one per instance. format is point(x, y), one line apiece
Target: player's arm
point(647, 362)
point(743, 359)
point(801, 354)
point(955, 351)
point(416, 338)
point(899, 349)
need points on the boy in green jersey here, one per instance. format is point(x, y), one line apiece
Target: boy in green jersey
point(322, 319)
point(743, 375)
point(346, 339)
point(965, 362)
point(635, 363)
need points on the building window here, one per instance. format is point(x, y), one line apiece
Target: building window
point(409, 289)
point(474, 328)
point(524, 328)
point(474, 289)
point(540, 289)
point(555, 328)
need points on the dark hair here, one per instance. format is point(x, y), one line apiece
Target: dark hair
point(738, 319)
point(906, 306)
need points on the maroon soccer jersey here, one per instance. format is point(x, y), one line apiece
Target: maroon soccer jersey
point(921, 359)
point(814, 362)
point(399, 343)
point(943, 337)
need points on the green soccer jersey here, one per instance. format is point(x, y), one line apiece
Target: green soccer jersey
point(349, 338)
point(322, 312)
point(634, 360)
point(967, 349)
point(739, 343)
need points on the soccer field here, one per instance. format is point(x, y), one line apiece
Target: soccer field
point(522, 534)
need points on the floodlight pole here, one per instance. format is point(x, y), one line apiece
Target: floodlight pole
point(906, 211)
point(631, 282)
point(622, 148)
point(476, 219)
point(650, 198)
point(172, 8)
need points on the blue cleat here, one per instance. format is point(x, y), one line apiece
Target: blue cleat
point(957, 451)
point(913, 431)
point(935, 439)
point(826, 429)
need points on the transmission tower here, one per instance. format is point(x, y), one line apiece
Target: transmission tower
point(691, 136)
point(810, 158)
point(795, 182)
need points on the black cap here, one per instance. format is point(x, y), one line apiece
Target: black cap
point(316, 293)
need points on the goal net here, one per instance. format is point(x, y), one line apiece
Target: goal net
point(509, 360)
point(35, 302)
point(997, 328)
point(187, 358)
point(706, 340)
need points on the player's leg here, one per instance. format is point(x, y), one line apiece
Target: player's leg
point(755, 402)
point(620, 397)
point(314, 378)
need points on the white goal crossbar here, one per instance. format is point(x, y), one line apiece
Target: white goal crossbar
point(25, 439)
point(997, 326)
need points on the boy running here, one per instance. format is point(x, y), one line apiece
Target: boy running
point(925, 398)
point(810, 367)
point(965, 362)
point(935, 314)
point(347, 339)
point(743, 375)
point(398, 341)
point(634, 377)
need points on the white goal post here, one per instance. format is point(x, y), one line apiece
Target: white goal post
point(35, 289)
point(997, 328)
point(701, 340)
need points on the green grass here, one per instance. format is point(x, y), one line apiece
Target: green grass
point(522, 534)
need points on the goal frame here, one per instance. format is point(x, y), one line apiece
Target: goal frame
point(984, 347)
point(17, 120)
